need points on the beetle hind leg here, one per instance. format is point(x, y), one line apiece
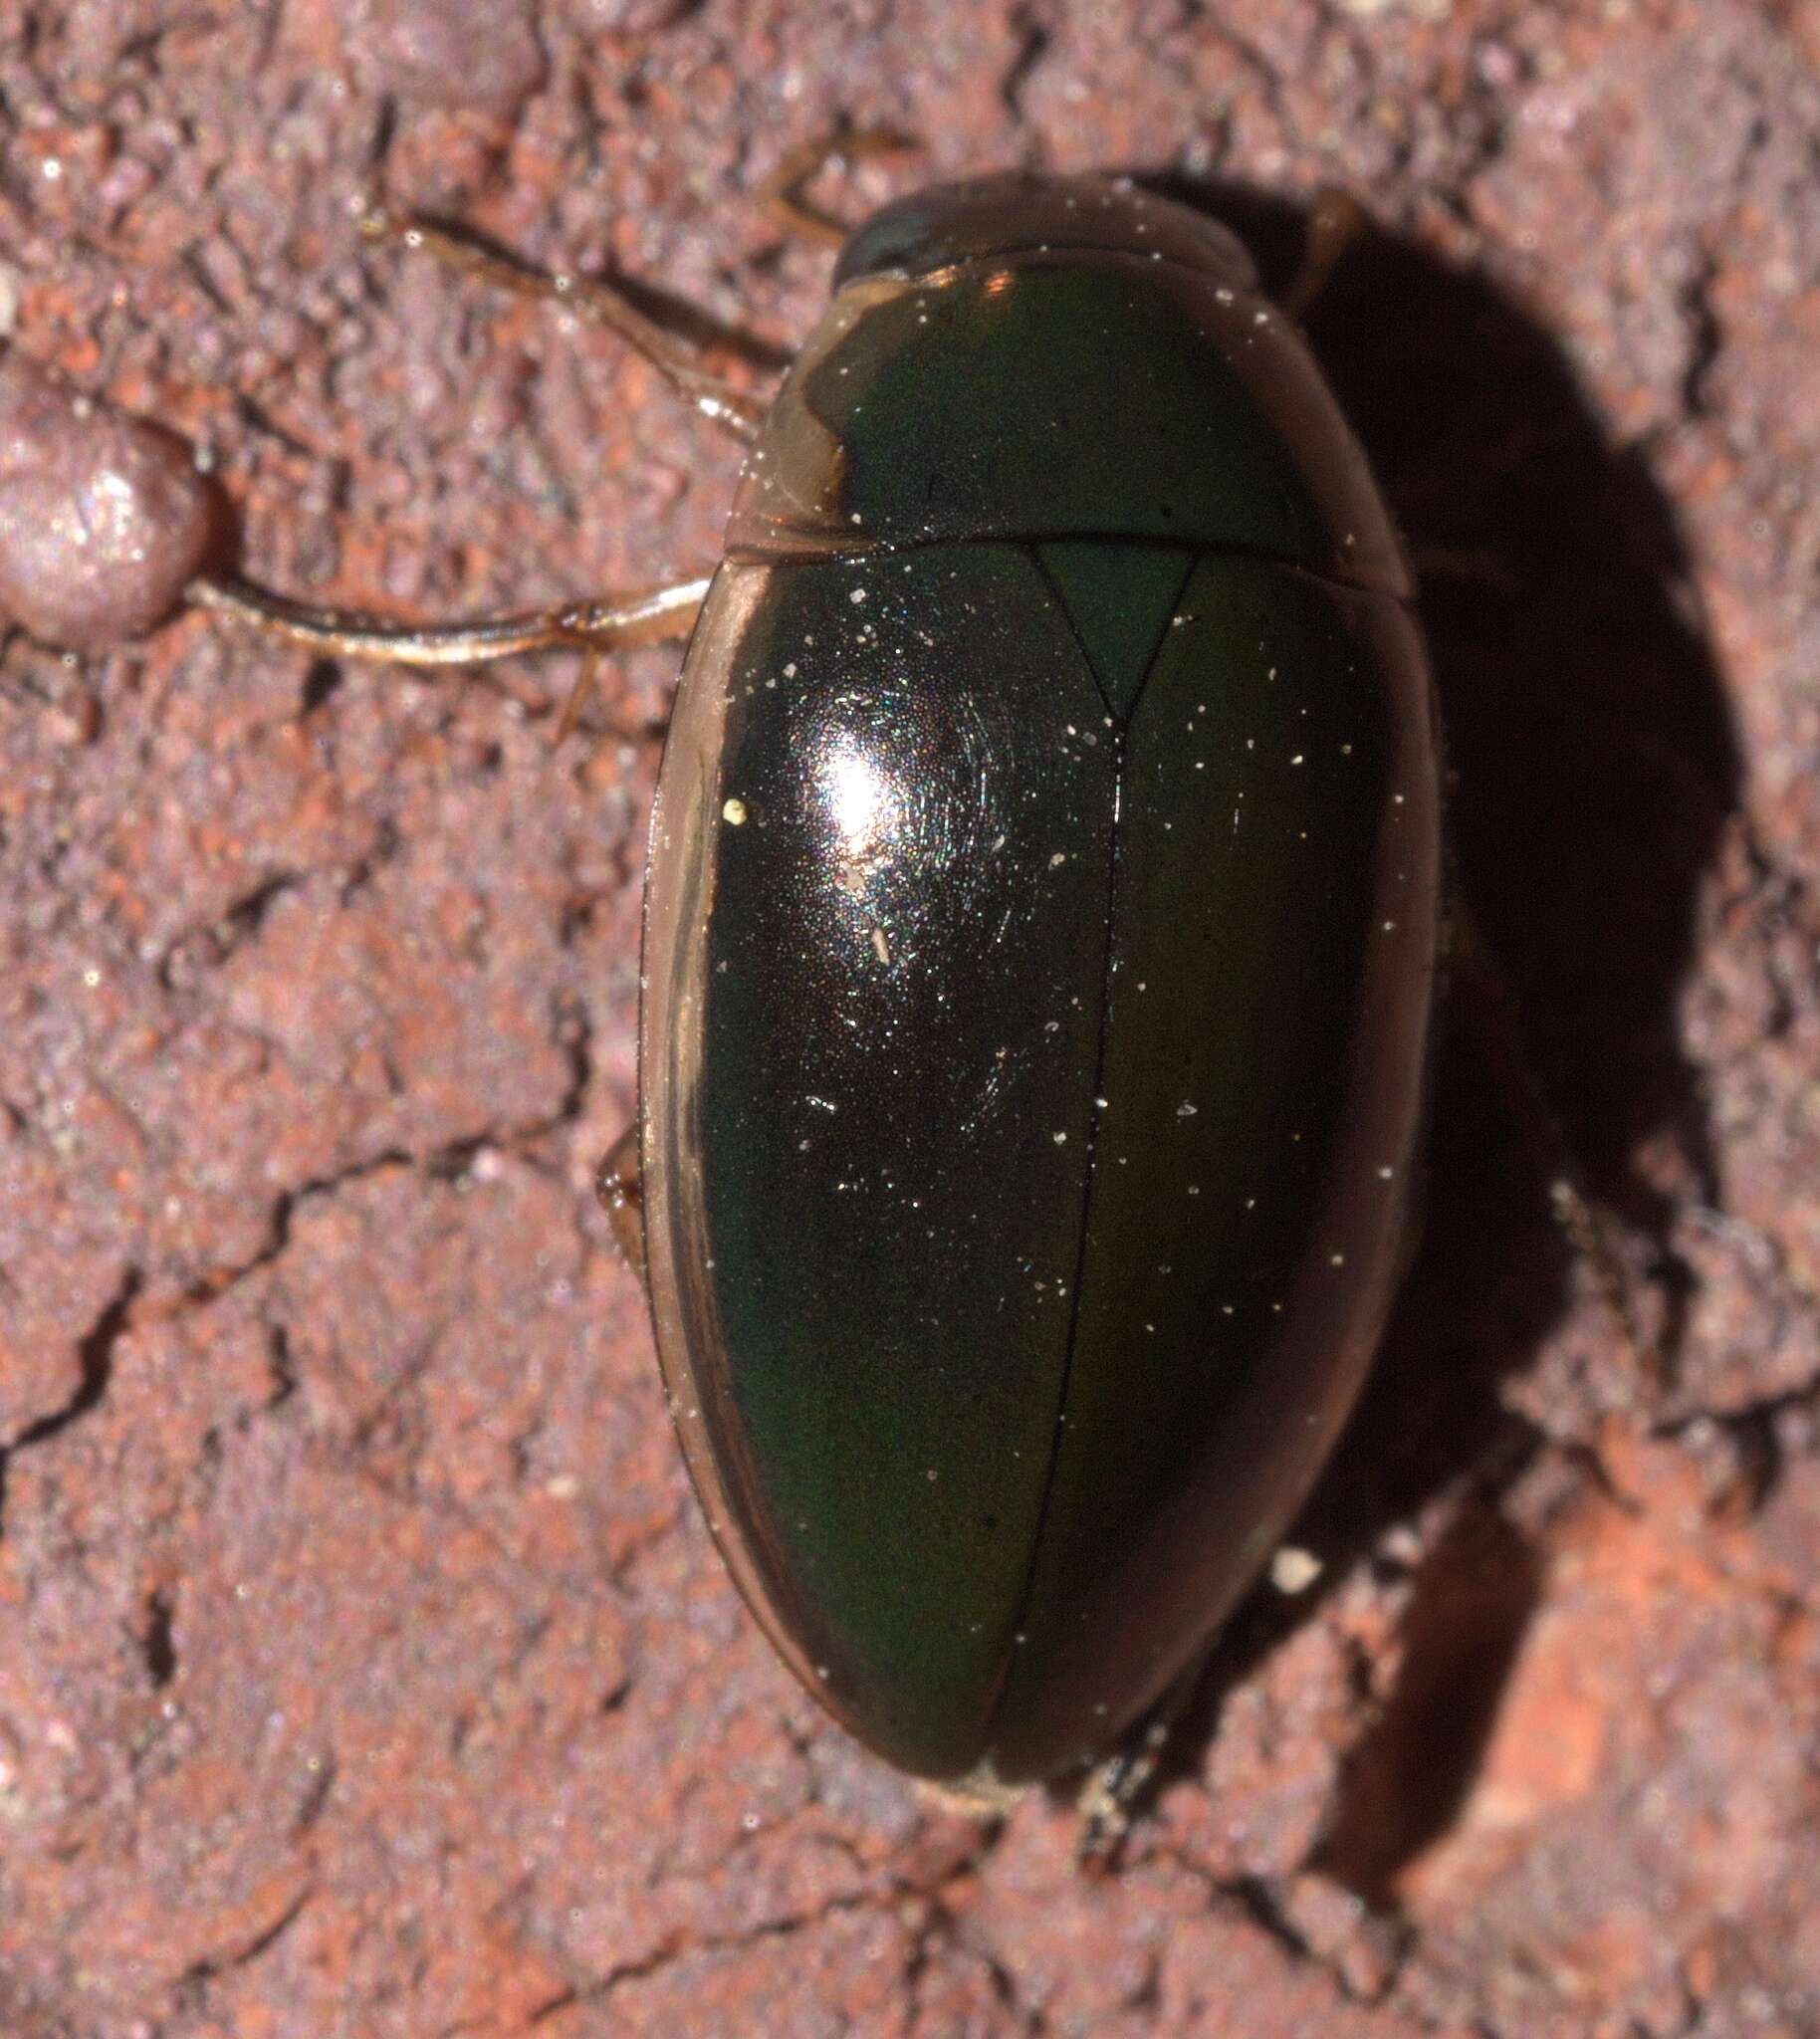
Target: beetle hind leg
point(1115, 1787)
point(1493, 1010)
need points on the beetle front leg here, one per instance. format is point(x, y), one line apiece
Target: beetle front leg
point(782, 192)
point(732, 410)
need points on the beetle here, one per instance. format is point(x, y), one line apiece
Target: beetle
point(1040, 937)
point(1041, 923)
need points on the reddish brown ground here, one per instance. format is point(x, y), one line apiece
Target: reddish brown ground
point(363, 1666)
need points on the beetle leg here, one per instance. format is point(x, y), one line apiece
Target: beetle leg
point(733, 410)
point(585, 675)
point(620, 1184)
point(650, 617)
point(1336, 221)
point(782, 192)
point(1113, 1787)
point(1494, 1009)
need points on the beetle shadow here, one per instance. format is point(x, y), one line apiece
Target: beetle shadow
point(1595, 767)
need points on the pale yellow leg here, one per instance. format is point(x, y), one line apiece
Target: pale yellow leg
point(647, 618)
point(651, 617)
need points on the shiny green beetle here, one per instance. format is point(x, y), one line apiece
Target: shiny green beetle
point(1039, 954)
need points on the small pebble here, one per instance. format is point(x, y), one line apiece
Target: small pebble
point(102, 518)
point(1293, 1570)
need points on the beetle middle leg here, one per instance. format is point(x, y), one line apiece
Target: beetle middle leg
point(652, 615)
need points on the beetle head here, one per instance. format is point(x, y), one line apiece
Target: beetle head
point(1017, 212)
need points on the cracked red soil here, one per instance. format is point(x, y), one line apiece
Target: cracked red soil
point(363, 1665)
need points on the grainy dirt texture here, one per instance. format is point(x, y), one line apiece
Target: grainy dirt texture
point(365, 1668)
